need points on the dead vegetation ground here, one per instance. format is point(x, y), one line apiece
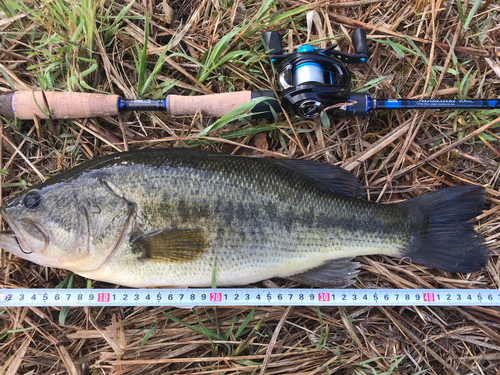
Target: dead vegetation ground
point(84, 45)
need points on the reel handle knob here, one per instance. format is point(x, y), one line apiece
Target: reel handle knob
point(272, 42)
point(359, 42)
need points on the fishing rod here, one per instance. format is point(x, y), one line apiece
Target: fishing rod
point(312, 81)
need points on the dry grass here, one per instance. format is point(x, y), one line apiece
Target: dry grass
point(396, 154)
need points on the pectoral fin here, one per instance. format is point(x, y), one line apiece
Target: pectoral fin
point(172, 245)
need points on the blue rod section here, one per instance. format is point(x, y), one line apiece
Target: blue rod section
point(436, 104)
point(141, 105)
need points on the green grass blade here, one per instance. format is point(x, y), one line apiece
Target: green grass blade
point(93, 66)
point(42, 109)
point(398, 48)
point(460, 10)
point(68, 284)
point(323, 339)
point(370, 84)
point(214, 274)
point(453, 55)
point(235, 114)
point(213, 59)
point(22, 329)
point(142, 58)
point(143, 83)
point(484, 29)
point(146, 337)
point(417, 50)
point(88, 9)
point(231, 326)
point(240, 133)
point(7, 78)
point(391, 369)
point(111, 30)
point(77, 33)
point(268, 19)
point(201, 331)
point(465, 84)
point(471, 14)
point(264, 9)
point(325, 120)
point(245, 323)
point(156, 69)
point(246, 362)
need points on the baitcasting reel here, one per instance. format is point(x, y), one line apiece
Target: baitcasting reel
point(314, 80)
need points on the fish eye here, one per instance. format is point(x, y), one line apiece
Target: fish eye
point(32, 199)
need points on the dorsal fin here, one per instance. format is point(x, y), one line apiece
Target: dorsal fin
point(334, 178)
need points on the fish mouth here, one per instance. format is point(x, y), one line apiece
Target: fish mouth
point(13, 240)
point(8, 239)
point(9, 242)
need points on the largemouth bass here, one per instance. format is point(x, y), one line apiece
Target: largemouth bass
point(173, 217)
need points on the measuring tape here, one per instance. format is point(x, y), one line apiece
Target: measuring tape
point(248, 297)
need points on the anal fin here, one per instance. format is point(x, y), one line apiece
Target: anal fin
point(332, 274)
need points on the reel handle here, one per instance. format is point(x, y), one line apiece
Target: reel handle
point(272, 42)
point(359, 42)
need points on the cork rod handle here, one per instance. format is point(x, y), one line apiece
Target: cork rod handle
point(61, 105)
point(216, 105)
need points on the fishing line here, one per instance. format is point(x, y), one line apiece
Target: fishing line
point(189, 298)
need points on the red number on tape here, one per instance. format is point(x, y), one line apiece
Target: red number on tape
point(103, 297)
point(324, 297)
point(215, 297)
point(429, 297)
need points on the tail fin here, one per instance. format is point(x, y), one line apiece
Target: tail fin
point(442, 235)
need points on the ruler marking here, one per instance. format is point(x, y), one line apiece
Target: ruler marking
point(248, 297)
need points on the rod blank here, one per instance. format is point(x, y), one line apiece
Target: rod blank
point(386, 104)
